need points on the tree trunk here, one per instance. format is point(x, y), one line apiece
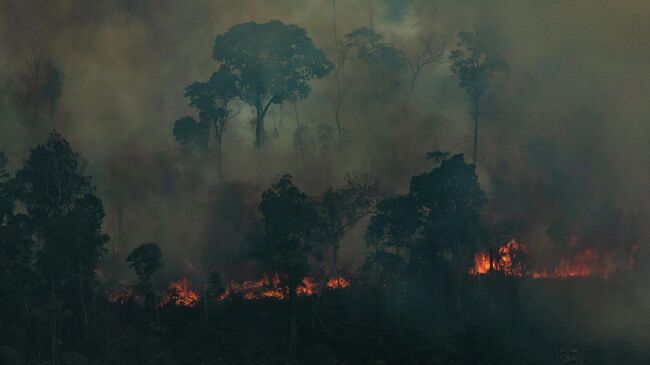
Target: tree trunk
point(475, 116)
point(53, 326)
point(337, 75)
point(155, 303)
point(259, 126)
point(293, 330)
point(219, 171)
point(205, 306)
point(83, 302)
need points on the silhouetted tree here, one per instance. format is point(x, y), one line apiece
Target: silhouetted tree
point(213, 101)
point(392, 232)
point(6, 198)
point(342, 208)
point(290, 217)
point(384, 62)
point(67, 219)
point(474, 65)
point(342, 80)
point(449, 201)
point(145, 260)
point(42, 83)
point(272, 63)
point(193, 136)
point(432, 50)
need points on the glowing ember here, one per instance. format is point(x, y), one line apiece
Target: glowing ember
point(269, 286)
point(338, 282)
point(509, 260)
point(481, 264)
point(181, 294)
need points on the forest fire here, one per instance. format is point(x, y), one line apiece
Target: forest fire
point(269, 287)
point(510, 260)
point(338, 282)
point(181, 294)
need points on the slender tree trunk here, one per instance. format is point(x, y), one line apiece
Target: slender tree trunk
point(83, 303)
point(259, 126)
point(293, 329)
point(303, 136)
point(53, 325)
point(414, 77)
point(205, 306)
point(475, 116)
point(338, 74)
point(219, 170)
point(155, 303)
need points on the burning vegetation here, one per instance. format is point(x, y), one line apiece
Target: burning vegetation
point(510, 260)
point(268, 286)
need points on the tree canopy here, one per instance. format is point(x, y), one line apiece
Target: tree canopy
point(271, 63)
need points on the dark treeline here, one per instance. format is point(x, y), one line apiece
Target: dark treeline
point(412, 302)
point(364, 191)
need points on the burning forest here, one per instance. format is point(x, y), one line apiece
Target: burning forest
point(324, 182)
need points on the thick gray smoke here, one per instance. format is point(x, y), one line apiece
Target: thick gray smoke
point(564, 134)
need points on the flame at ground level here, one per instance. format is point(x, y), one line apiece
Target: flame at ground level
point(510, 260)
point(269, 286)
point(179, 293)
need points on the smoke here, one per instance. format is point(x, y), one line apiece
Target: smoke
point(563, 139)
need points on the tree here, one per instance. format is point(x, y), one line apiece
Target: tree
point(272, 63)
point(212, 100)
point(449, 201)
point(432, 51)
point(145, 260)
point(383, 61)
point(66, 217)
point(474, 65)
point(290, 217)
point(392, 231)
point(342, 208)
point(42, 82)
point(6, 198)
point(192, 136)
point(343, 83)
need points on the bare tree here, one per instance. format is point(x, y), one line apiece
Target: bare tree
point(432, 51)
point(343, 83)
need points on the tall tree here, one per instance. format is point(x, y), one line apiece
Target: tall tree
point(449, 201)
point(392, 232)
point(213, 101)
point(432, 50)
point(342, 82)
point(474, 65)
point(6, 196)
point(272, 63)
point(145, 260)
point(383, 62)
point(67, 218)
point(290, 217)
point(342, 208)
point(192, 136)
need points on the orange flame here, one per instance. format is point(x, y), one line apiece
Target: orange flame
point(181, 294)
point(509, 261)
point(338, 282)
point(269, 286)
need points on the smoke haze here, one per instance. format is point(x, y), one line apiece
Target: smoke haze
point(564, 135)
